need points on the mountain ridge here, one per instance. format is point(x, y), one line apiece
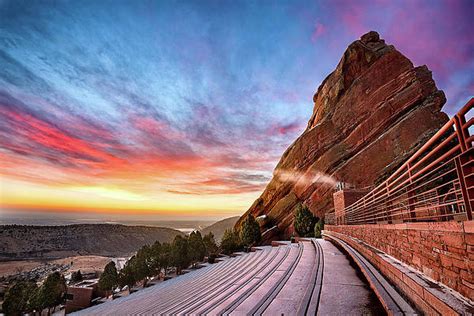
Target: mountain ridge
point(50, 242)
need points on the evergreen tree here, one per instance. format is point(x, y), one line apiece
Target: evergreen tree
point(52, 291)
point(109, 278)
point(180, 253)
point(166, 257)
point(126, 276)
point(210, 244)
point(250, 231)
point(318, 228)
point(230, 241)
point(35, 303)
point(18, 298)
point(141, 267)
point(155, 254)
point(304, 221)
point(196, 247)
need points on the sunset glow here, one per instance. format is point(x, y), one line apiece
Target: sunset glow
point(164, 111)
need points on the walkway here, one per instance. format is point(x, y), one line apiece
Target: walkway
point(344, 290)
point(308, 277)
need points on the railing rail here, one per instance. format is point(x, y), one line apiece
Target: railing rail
point(435, 184)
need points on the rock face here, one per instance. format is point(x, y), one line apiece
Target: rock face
point(370, 114)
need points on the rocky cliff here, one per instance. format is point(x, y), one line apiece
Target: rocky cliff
point(370, 114)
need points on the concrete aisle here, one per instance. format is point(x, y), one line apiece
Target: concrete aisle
point(344, 292)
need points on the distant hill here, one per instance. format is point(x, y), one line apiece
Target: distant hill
point(219, 227)
point(22, 242)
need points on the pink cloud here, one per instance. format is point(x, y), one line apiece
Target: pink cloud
point(319, 30)
point(283, 129)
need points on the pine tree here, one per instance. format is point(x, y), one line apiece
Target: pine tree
point(19, 298)
point(304, 221)
point(126, 276)
point(52, 291)
point(210, 244)
point(250, 231)
point(196, 247)
point(109, 278)
point(155, 253)
point(180, 253)
point(166, 256)
point(141, 267)
point(230, 241)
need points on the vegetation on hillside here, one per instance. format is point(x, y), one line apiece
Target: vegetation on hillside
point(149, 261)
point(27, 297)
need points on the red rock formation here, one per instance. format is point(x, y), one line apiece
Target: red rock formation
point(370, 114)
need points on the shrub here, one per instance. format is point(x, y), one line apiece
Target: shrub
point(212, 258)
point(304, 221)
point(250, 231)
point(318, 228)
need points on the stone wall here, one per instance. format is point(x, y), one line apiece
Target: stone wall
point(344, 198)
point(442, 251)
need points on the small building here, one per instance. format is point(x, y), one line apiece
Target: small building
point(78, 298)
point(82, 294)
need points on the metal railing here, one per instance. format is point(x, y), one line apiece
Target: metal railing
point(330, 218)
point(435, 184)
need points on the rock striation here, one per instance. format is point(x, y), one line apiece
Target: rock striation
point(370, 114)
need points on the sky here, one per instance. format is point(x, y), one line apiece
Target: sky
point(183, 108)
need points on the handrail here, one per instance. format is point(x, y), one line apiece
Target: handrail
point(435, 184)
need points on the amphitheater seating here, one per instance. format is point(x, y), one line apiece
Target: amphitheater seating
point(249, 282)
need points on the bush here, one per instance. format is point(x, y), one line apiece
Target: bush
point(230, 241)
point(304, 221)
point(250, 231)
point(318, 228)
point(212, 258)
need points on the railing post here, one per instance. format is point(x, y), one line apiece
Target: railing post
point(463, 182)
point(459, 122)
point(460, 133)
point(411, 196)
